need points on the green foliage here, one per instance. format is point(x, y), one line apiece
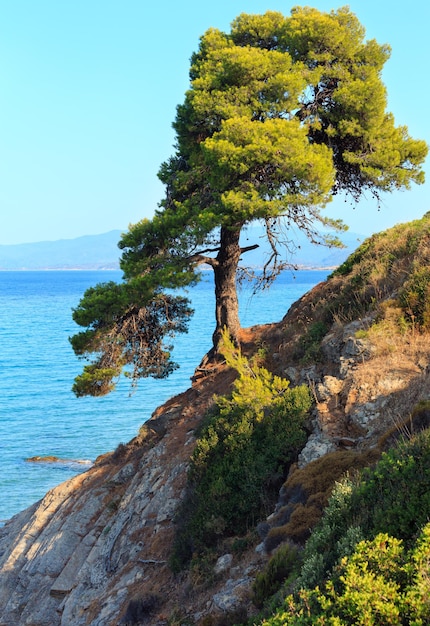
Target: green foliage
point(316, 65)
point(393, 497)
point(415, 297)
point(283, 112)
point(283, 564)
point(95, 380)
point(243, 450)
point(328, 539)
point(355, 258)
point(379, 583)
point(418, 594)
point(126, 329)
point(310, 342)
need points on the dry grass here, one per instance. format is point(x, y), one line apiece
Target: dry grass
point(306, 493)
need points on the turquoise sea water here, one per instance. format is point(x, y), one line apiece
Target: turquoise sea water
point(40, 416)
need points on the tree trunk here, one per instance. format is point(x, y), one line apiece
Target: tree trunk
point(226, 301)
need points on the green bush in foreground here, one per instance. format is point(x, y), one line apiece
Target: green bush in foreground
point(393, 498)
point(380, 583)
point(241, 455)
point(368, 560)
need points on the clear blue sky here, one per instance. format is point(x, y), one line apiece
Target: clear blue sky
point(88, 92)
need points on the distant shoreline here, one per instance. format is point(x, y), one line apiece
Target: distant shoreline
point(101, 253)
point(118, 269)
point(60, 269)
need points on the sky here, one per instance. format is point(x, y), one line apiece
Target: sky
point(89, 89)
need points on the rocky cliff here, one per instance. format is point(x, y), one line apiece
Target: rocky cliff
point(95, 551)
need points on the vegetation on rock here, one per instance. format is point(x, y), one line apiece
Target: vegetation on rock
point(243, 451)
point(381, 511)
point(305, 494)
point(385, 281)
point(367, 562)
point(379, 583)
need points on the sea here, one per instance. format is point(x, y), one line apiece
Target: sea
point(40, 415)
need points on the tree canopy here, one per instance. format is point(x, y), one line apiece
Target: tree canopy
point(282, 113)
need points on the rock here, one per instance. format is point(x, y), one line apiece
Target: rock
point(357, 348)
point(331, 386)
point(262, 529)
point(317, 445)
point(76, 557)
point(345, 367)
point(56, 459)
point(124, 474)
point(233, 595)
point(261, 548)
point(223, 564)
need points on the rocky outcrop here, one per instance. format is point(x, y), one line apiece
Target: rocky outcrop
point(81, 553)
point(95, 550)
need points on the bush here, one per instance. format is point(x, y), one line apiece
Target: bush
point(310, 343)
point(241, 456)
point(415, 297)
point(140, 608)
point(323, 549)
point(284, 563)
point(393, 497)
point(379, 583)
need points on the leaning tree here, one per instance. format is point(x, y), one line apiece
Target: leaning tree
point(282, 114)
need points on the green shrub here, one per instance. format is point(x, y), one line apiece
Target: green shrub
point(415, 297)
point(379, 583)
point(241, 456)
point(323, 549)
point(310, 342)
point(355, 258)
point(284, 563)
point(418, 593)
point(393, 497)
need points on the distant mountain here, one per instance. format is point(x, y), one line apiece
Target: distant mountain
point(305, 255)
point(102, 252)
point(87, 252)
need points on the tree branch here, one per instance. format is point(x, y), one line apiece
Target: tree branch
point(248, 248)
point(201, 258)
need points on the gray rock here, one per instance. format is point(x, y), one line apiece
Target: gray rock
point(234, 594)
point(317, 446)
point(223, 564)
point(124, 474)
